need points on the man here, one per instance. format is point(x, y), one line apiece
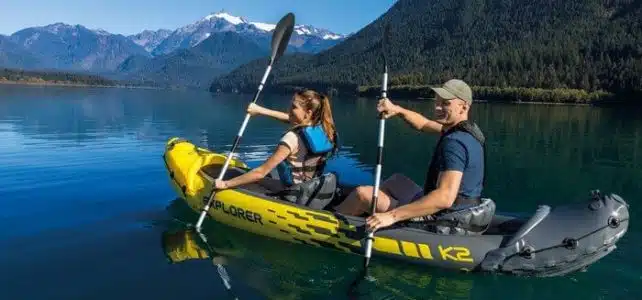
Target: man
point(456, 171)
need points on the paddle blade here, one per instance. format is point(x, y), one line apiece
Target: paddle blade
point(281, 36)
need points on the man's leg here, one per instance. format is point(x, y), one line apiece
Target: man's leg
point(401, 188)
point(396, 190)
point(359, 201)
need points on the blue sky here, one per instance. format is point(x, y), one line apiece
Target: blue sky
point(132, 16)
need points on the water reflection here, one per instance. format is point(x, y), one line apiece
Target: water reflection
point(297, 271)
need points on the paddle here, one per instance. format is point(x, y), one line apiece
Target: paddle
point(280, 39)
point(382, 123)
point(170, 240)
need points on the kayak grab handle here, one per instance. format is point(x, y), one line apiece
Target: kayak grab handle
point(541, 213)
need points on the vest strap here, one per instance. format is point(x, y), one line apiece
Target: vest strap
point(433, 169)
point(316, 168)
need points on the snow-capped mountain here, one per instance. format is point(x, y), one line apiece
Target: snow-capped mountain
point(75, 47)
point(150, 39)
point(322, 33)
point(192, 34)
point(196, 66)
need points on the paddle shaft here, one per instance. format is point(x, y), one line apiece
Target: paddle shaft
point(222, 272)
point(375, 191)
point(237, 140)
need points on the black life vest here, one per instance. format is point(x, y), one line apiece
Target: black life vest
point(433, 170)
point(467, 216)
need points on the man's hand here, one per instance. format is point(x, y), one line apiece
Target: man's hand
point(388, 109)
point(379, 220)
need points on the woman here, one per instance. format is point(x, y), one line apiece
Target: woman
point(298, 154)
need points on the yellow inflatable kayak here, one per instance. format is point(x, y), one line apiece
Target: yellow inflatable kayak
point(545, 243)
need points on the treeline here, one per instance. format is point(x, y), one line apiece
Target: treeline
point(523, 47)
point(54, 77)
point(504, 94)
point(66, 78)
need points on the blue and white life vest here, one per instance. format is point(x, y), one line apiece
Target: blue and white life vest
point(319, 147)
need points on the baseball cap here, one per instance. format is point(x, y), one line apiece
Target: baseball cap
point(455, 88)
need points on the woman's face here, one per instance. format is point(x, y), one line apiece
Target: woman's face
point(298, 115)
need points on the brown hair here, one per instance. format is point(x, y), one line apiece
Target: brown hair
point(319, 104)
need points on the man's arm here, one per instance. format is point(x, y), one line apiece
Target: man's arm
point(441, 198)
point(419, 122)
point(454, 154)
point(414, 119)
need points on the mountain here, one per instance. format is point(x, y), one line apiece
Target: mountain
point(585, 44)
point(66, 47)
point(75, 47)
point(13, 55)
point(306, 38)
point(196, 66)
point(150, 39)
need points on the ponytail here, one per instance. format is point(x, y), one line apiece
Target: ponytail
point(321, 109)
point(326, 118)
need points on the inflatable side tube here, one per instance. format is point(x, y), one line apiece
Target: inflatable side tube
point(541, 213)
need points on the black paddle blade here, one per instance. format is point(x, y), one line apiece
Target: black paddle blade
point(281, 36)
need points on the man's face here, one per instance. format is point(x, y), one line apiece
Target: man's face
point(451, 111)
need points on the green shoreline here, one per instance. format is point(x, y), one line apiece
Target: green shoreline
point(483, 94)
point(72, 84)
point(504, 94)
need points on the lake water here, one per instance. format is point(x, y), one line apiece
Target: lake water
point(85, 200)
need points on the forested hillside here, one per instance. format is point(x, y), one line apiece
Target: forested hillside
point(52, 77)
point(589, 45)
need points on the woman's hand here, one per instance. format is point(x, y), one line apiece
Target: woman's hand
point(220, 184)
point(255, 109)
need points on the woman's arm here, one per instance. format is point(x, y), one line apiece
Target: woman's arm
point(254, 109)
point(256, 174)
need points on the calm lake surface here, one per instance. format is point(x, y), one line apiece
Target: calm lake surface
point(85, 200)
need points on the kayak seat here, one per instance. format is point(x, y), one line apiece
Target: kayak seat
point(315, 193)
point(465, 220)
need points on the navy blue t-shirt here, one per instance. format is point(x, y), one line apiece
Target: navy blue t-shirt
point(462, 152)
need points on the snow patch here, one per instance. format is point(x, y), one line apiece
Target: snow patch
point(331, 37)
point(264, 26)
point(227, 17)
point(56, 27)
point(31, 39)
point(101, 32)
point(140, 42)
